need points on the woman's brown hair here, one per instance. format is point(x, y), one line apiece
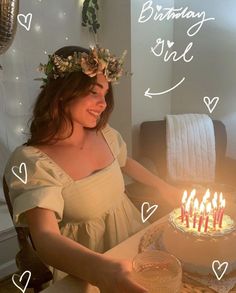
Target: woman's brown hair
point(49, 113)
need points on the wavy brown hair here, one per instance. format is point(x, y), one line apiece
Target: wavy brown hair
point(49, 113)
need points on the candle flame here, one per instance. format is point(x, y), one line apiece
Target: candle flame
point(206, 196)
point(187, 207)
point(185, 195)
point(216, 196)
point(214, 203)
point(202, 207)
point(193, 193)
point(221, 197)
point(196, 204)
point(222, 204)
point(208, 208)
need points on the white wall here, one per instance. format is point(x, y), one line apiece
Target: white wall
point(121, 30)
point(148, 70)
point(213, 69)
point(115, 35)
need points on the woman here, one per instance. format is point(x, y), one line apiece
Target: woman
point(74, 201)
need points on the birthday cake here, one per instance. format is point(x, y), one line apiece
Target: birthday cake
point(198, 237)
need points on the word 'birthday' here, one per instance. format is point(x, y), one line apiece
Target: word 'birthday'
point(171, 13)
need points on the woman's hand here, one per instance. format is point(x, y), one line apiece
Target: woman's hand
point(115, 276)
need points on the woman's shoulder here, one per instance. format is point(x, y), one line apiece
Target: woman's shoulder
point(24, 153)
point(111, 132)
point(114, 138)
point(32, 161)
point(26, 157)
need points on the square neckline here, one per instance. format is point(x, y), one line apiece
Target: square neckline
point(55, 164)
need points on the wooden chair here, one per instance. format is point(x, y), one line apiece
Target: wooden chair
point(153, 147)
point(27, 258)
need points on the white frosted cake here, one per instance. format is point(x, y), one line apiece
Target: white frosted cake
point(198, 249)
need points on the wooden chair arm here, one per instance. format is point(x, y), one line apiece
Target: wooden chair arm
point(27, 259)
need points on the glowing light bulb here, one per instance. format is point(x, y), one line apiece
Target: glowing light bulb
point(45, 52)
point(37, 27)
point(17, 77)
point(67, 38)
point(19, 130)
point(20, 103)
point(61, 15)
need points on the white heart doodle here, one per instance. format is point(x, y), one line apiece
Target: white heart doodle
point(148, 212)
point(170, 44)
point(20, 278)
point(216, 267)
point(26, 20)
point(211, 104)
point(16, 169)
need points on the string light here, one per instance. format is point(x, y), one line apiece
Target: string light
point(61, 15)
point(67, 38)
point(37, 27)
point(19, 130)
point(17, 77)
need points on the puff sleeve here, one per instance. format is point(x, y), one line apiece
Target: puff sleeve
point(32, 182)
point(117, 144)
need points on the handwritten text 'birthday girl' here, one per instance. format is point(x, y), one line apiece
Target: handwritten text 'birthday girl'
point(159, 13)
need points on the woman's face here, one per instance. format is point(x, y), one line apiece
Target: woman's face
point(86, 110)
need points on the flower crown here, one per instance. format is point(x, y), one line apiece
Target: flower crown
point(98, 60)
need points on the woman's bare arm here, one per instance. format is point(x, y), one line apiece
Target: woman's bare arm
point(109, 274)
point(135, 170)
point(57, 250)
point(139, 173)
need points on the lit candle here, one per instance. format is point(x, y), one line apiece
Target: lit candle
point(202, 207)
point(187, 208)
point(220, 207)
point(208, 210)
point(192, 195)
point(195, 209)
point(185, 195)
point(222, 212)
point(215, 211)
point(206, 196)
